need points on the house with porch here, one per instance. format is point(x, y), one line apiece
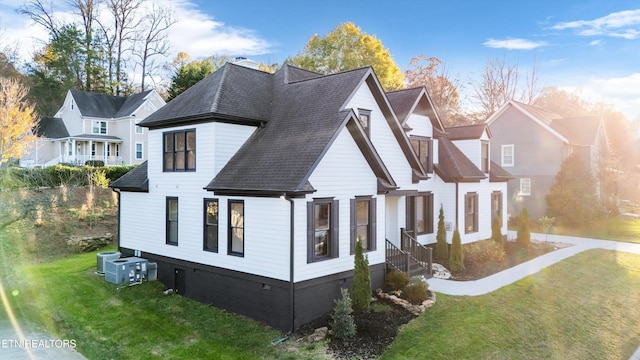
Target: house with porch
point(531, 143)
point(258, 186)
point(94, 127)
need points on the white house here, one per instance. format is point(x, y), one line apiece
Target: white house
point(92, 126)
point(258, 185)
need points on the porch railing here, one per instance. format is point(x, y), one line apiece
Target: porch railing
point(418, 252)
point(396, 258)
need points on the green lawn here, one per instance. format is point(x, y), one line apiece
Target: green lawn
point(616, 228)
point(586, 307)
point(137, 322)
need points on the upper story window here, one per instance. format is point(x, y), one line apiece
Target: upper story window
point(423, 147)
point(139, 130)
point(364, 116)
point(179, 150)
point(99, 127)
point(485, 157)
point(525, 186)
point(322, 229)
point(508, 155)
point(139, 151)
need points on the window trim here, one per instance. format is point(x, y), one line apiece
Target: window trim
point(230, 228)
point(523, 186)
point(473, 215)
point(513, 155)
point(99, 127)
point(426, 161)
point(367, 113)
point(168, 221)
point(139, 130)
point(334, 226)
point(372, 225)
point(141, 151)
point(175, 153)
point(484, 161)
point(428, 211)
point(206, 225)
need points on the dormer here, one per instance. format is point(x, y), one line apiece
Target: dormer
point(474, 142)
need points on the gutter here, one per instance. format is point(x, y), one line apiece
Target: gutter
point(292, 307)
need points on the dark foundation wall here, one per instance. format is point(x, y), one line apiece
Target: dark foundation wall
point(264, 299)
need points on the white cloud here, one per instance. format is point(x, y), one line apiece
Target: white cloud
point(513, 44)
point(596, 42)
point(623, 24)
point(621, 92)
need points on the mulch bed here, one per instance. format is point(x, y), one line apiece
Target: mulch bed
point(375, 331)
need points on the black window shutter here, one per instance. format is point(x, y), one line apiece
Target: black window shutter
point(430, 162)
point(310, 231)
point(373, 209)
point(334, 230)
point(354, 235)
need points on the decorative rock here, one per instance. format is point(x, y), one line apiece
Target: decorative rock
point(414, 309)
point(90, 243)
point(440, 272)
point(319, 335)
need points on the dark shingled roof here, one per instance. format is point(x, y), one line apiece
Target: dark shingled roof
point(454, 166)
point(232, 93)
point(135, 180)
point(580, 130)
point(466, 132)
point(498, 174)
point(52, 127)
point(414, 100)
point(280, 156)
point(107, 106)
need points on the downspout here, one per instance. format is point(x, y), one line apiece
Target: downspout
point(457, 205)
point(292, 306)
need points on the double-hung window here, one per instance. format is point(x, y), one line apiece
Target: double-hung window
point(139, 151)
point(423, 147)
point(210, 241)
point(420, 213)
point(322, 229)
point(525, 186)
point(363, 223)
point(172, 220)
point(179, 150)
point(485, 157)
point(99, 127)
point(496, 205)
point(235, 244)
point(471, 212)
point(508, 155)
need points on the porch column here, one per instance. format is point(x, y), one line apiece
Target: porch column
point(91, 155)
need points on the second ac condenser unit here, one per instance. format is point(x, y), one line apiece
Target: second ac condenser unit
point(126, 270)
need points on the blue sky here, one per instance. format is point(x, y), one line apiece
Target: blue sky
point(589, 45)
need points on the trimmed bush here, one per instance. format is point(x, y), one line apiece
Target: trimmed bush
point(95, 163)
point(486, 254)
point(442, 251)
point(361, 287)
point(496, 230)
point(524, 232)
point(456, 257)
point(396, 280)
point(342, 324)
point(416, 291)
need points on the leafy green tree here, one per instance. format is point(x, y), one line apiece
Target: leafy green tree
point(442, 251)
point(572, 198)
point(456, 257)
point(524, 232)
point(361, 287)
point(346, 48)
point(188, 73)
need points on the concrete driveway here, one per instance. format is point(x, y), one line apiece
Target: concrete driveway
point(35, 345)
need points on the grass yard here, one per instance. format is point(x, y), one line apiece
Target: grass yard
point(586, 307)
point(615, 228)
point(137, 322)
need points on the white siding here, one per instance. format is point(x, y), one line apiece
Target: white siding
point(471, 149)
point(382, 137)
point(342, 174)
point(228, 139)
point(420, 125)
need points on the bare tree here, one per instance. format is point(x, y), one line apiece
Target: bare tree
point(498, 85)
point(87, 10)
point(152, 39)
point(41, 15)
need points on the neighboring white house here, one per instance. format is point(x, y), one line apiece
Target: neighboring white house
point(92, 126)
point(257, 186)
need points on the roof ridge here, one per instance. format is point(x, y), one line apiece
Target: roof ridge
point(324, 76)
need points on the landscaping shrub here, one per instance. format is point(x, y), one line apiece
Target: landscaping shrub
point(496, 232)
point(396, 280)
point(95, 163)
point(416, 291)
point(442, 251)
point(487, 255)
point(524, 232)
point(342, 324)
point(456, 257)
point(361, 287)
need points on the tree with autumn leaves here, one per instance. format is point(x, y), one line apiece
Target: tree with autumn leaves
point(17, 119)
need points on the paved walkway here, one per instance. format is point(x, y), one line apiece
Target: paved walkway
point(509, 276)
